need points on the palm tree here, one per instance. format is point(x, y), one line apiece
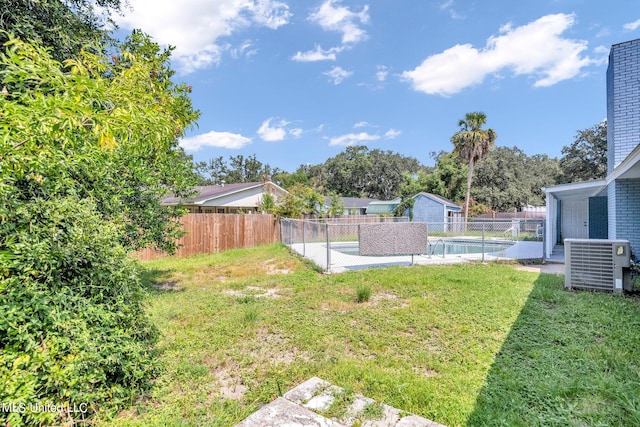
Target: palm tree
point(472, 144)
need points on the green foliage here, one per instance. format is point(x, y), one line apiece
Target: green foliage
point(286, 179)
point(104, 130)
point(88, 147)
point(472, 144)
point(238, 169)
point(447, 179)
point(73, 329)
point(508, 179)
point(363, 293)
point(267, 203)
point(586, 158)
point(299, 201)
point(336, 206)
point(358, 172)
point(64, 26)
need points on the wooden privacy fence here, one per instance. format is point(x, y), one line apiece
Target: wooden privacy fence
point(210, 233)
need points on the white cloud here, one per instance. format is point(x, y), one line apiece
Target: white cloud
point(338, 74)
point(341, 19)
point(352, 139)
point(295, 132)
point(631, 26)
point(448, 6)
point(318, 54)
point(361, 125)
point(273, 133)
point(214, 139)
point(536, 49)
point(392, 134)
point(245, 49)
point(195, 27)
point(382, 73)
point(269, 13)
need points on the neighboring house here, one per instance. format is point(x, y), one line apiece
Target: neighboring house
point(383, 207)
point(352, 205)
point(608, 208)
point(228, 198)
point(435, 209)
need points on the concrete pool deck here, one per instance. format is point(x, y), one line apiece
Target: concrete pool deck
point(340, 262)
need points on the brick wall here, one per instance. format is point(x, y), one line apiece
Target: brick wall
point(627, 194)
point(623, 101)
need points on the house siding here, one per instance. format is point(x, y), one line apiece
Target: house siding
point(623, 101)
point(611, 210)
point(627, 195)
point(434, 212)
point(427, 210)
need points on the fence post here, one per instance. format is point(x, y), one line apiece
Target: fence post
point(483, 242)
point(283, 229)
point(291, 232)
point(304, 238)
point(328, 248)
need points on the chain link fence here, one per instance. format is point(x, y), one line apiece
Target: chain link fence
point(333, 243)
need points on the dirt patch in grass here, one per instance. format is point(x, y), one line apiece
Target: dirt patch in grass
point(381, 297)
point(273, 347)
point(167, 286)
point(272, 269)
point(341, 307)
point(230, 384)
point(253, 291)
point(427, 372)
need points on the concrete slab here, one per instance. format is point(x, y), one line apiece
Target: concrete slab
point(283, 413)
point(324, 400)
point(296, 409)
point(355, 410)
point(305, 391)
point(390, 418)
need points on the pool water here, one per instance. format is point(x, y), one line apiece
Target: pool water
point(464, 247)
point(452, 247)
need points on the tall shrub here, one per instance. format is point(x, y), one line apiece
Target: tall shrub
point(87, 149)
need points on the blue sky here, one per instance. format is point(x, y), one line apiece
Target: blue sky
point(297, 82)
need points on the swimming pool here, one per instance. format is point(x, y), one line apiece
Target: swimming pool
point(436, 247)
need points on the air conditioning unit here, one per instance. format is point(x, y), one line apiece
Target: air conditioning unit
point(597, 264)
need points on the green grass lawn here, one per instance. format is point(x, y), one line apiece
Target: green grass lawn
point(460, 344)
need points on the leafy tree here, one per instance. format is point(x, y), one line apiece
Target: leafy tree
point(64, 26)
point(300, 200)
point(267, 203)
point(337, 205)
point(508, 179)
point(286, 179)
point(239, 169)
point(472, 144)
point(88, 149)
point(347, 172)
point(386, 174)
point(586, 158)
point(448, 177)
point(358, 172)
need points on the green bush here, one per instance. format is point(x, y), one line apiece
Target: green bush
point(73, 330)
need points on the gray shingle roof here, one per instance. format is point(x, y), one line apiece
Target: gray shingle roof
point(440, 199)
point(208, 192)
